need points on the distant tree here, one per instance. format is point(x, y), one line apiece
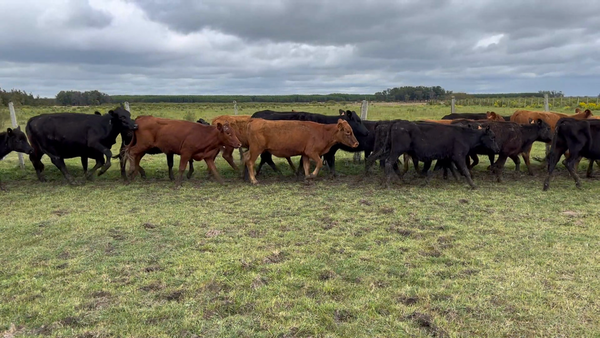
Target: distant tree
point(552, 93)
point(76, 98)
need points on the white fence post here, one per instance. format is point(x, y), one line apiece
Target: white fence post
point(364, 109)
point(452, 109)
point(235, 111)
point(126, 104)
point(13, 120)
point(546, 102)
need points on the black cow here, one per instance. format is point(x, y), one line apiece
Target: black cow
point(68, 135)
point(358, 128)
point(581, 138)
point(13, 140)
point(513, 139)
point(425, 141)
point(470, 116)
point(127, 136)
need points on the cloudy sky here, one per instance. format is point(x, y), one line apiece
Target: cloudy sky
point(299, 46)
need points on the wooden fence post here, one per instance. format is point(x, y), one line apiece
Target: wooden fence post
point(235, 111)
point(126, 104)
point(364, 109)
point(452, 109)
point(13, 120)
point(546, 102)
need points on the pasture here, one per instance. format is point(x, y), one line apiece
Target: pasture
point(338, 258)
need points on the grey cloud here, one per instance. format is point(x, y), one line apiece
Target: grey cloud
point(294, 46)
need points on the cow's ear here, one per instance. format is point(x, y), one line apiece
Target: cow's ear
point(577, 111)
point(342, 112)
point(219, 126)
point(340, 124)
point(539, 121)
point(9, 131)
point(349, 113)
point(111, 112)
point(588, 113)
point(18, 128)
point(530, 120)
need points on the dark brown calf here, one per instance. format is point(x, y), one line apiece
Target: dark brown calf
point(187, 139)
point(291, 138)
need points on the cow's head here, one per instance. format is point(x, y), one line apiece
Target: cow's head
point(17, 141)
point(489, 139)
point(544, 130)
point(203, 121)
point(122, 117)
point(493, 116)
point(355, 122)
point(227, 135)
point(345, 135)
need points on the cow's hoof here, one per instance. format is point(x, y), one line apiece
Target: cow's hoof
point(546, 187)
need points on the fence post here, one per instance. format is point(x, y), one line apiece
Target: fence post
point(553, 103)
point(13, 120)
point(452, 109)
point(126, 104)
point(546, 102)
point(235, 111)
point(364, 109)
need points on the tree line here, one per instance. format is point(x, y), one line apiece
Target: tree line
point(396, 94)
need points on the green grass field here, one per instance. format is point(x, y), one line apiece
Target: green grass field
point(338, 258)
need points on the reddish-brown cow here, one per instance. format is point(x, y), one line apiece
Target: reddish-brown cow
point(492, 116)
point(187, 139)
point(239, 124)
point(291, 138)
point(526, 116)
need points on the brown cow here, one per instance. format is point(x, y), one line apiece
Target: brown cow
point(291, 138)
point(239, 124)
point(492, 116)
point(525, 116)
point(187, 139)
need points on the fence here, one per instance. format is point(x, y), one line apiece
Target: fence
point(526, 102)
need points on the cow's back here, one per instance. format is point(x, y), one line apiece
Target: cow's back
point(283, 137)
point(65, 134)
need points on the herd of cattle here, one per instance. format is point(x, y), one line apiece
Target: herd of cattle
point(454, 142)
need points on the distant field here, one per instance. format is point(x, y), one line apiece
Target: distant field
point(339, 258)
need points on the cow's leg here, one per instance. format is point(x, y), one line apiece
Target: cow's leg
point(517, 161)
point(292, 166)
point(388, 171)
point(475, 162)
point(461, 164)
point(170, 164)
point(405, 158)
point(228, 156)
point(108, 156)
point(60, 164)
point(38, 165)
point(590, 169)
point(191, 168)
point(84, 164)
point(491, 157)
point(500, 166)
point(527, 159)
point(183, 162)
point(319, 161)
point(305, 165)
point(213, 169)
point(453, 171)
point(250, 158)
point(99, 162)
point(330, 159)
point(571, 161)
point(553, 158)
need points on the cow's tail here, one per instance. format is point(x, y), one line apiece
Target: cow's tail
point(588, 132)
point(552, 152)
point(126, 152)
point(384, 147)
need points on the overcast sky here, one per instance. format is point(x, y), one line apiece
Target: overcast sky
point(299, 46)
